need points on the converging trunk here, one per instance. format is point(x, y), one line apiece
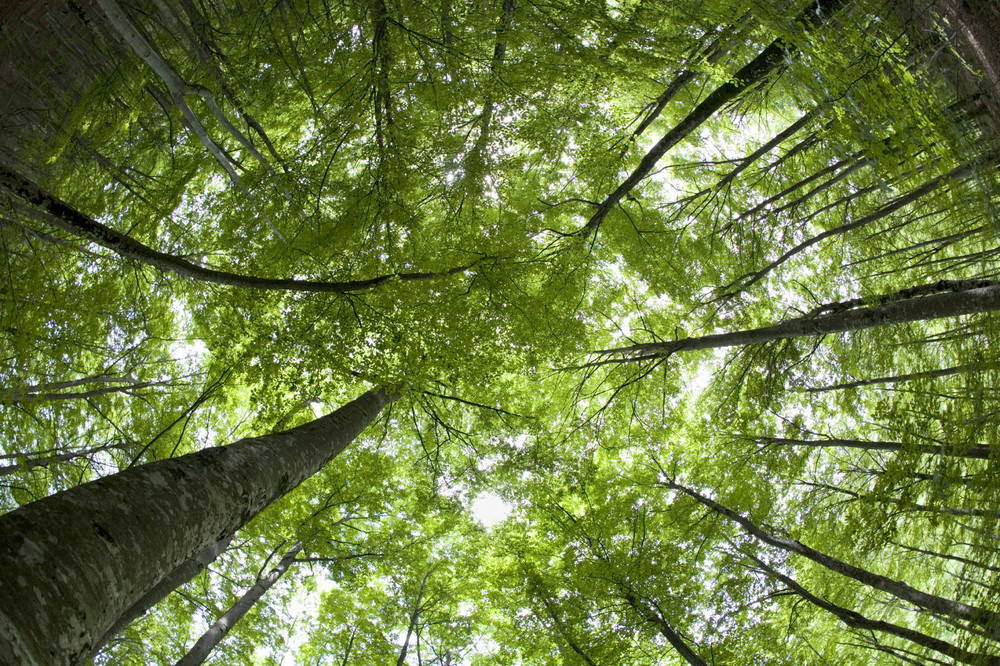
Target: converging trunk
point(978, 298)
point(987, 620)
point(179, 576)
point(75, 562)
point(214, 634)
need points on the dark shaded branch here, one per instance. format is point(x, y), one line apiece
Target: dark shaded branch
point(73, 221)
point(944, 607)
point(766, 62)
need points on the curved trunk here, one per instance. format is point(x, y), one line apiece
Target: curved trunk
point(69, 219)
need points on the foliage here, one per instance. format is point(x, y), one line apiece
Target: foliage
point(475, 141)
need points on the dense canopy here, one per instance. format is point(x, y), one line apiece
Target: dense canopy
point(682, 315)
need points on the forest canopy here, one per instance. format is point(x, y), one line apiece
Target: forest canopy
point(667, 328)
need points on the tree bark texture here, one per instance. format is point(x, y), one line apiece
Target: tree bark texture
point(179, 576)
point(75, 562)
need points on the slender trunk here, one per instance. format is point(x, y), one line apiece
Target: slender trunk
point(858, 621)
point(982, 617)
point(664, 628)
point(944, 372)
point(904, 505)
point(176, 86)
point(475, 160)
point(67, 218)
point(934, 245)
point(836, 166)
point(215, 633)
point(959, 173)
point(767, 61)
point(750, 159)
point(179, 576)
point(414, 617)
point(86, 555)
point(16, 394)
point(711, 53)
point(25, 397)
point(977, 299)
point(45, 461)
point(382, 63)
point(767, 147)
point(976, 452)
point(564, 631)
point(953, 558)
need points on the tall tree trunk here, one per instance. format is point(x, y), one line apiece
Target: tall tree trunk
point(985, 297)
point(929, 374)
point(755, 71)
point(67, 218)
point(982, 617)
point(858, 621)
point(28, 464)
point(650, 615)
point(214, 634)
point(414, 617)
point(75, 562)
point(978, 451)
point(957, 174)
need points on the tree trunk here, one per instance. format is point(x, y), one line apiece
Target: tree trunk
point(650, 615)
point(957, 174)
point(978, 451)
point(858, 621)
point(766, 62)
point(28, 464)
point(69, 219)
point(977, 299)
point(75, 562)
point(214, 634)
point(929, 374)
point(414, 617)
point(179, 576)
point(984, 618)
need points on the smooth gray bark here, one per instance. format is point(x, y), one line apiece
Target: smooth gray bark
point(179, 576)
point(214, 634)
point(75, 562)
point(974, 300)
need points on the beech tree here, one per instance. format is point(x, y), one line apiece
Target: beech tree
point(646, 333)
